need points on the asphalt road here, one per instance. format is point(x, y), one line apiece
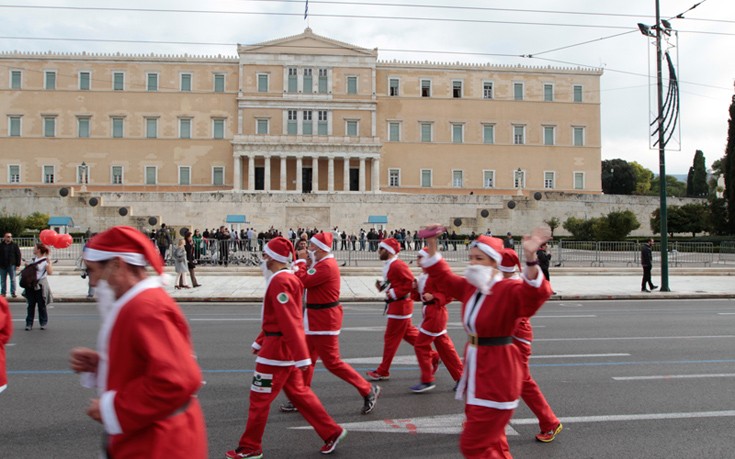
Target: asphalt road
point(647, 379)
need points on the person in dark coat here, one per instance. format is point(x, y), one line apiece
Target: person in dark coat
point(10, 259)
point(647, 264)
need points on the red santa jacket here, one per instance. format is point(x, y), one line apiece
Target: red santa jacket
point(6, 331)
point(149, 406)
point(493, 373)
point(282, 341)
point(435, 311)
point(399, 279)
point(323, 315)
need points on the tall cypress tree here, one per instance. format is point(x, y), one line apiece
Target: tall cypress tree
point(699, 176)
point(728, 166)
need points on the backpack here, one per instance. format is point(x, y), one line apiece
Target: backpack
point(162, 238)
point(28, 278)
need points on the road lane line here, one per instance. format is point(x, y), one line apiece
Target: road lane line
point(226, 320)
point(647, 378)
point(575, 316)
point(633, 417)
point(564, 356)
point(633, 338)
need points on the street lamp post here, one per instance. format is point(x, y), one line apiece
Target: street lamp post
point(83, 178)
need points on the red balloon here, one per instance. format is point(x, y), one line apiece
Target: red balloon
point(63, 241)
point(48, 236)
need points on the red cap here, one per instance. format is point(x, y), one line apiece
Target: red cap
point(280, 249)
point(510, 261)
point(391, 245)
point(323, 241)
point(490, 246)
point(134, 247)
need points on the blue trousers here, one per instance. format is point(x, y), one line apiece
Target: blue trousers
point(5, 272)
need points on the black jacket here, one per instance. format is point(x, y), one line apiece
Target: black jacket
point(9, 255)
point(646, 256)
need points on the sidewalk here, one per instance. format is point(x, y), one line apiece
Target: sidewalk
point(247, 284)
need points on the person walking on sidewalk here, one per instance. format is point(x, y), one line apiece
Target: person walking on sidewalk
point(39, 295)
point(522, 339)
point(283, 357)
point(318, 271)
point(433, 329)
point(10, 259)
point(397, 284)
point(179, 256)
point(491, 307)
point(647, 264)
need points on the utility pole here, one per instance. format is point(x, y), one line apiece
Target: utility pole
point(662, 158)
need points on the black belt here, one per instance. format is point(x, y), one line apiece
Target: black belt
point(426, 303)
point(322, 305)
point(489, 341)
point(390, 300)
point(273, 334)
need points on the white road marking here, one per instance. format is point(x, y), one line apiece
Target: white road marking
point(572, 356)
point(576, 316)
point(367, 329)
point(632, 338)
point(633, 417)
point(726, 313)
point(232, 319)
point(646, 378)
point(397, 360)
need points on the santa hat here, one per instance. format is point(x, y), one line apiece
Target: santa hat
point(490, 246)
point(125, 242)
point(391, 245)
point(323, 241)
point(510, 261)
point(423, 252)
point(280, 249)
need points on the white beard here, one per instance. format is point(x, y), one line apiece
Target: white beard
point(105, 298)
point(266, 272)
point(479, 276)
point(312, 257)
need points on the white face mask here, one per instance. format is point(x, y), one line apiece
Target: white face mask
point(264, 268)
point(105, 298)
point(312, 256)
point(479, 276)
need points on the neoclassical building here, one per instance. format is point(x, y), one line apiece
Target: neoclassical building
point(302, 114)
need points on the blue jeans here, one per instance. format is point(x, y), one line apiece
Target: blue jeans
point(9, 271)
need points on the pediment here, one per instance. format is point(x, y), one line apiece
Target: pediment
point(307, 43)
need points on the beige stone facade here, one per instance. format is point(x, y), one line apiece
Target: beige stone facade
point(302, 114)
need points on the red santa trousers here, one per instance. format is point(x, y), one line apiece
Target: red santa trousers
point(326, 347)
point(531, 394)
point(483, 435)
point(446, 352)
point(291, 381)
point(395, 331)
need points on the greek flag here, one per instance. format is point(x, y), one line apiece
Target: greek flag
point(306, 9)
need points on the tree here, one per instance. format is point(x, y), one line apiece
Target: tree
point(729, 169)
point(674, 187)
point(553, 223)
point(580, 229)
point(718, 215)
point(643, 178)
point(37, 221)
point(11, 224)
point(695, 218)
point(697, 177)
point(618, 177)
point(615, 226)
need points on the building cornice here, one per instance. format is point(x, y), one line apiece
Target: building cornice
point(120, 57)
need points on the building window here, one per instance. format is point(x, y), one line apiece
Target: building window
point(118, 124)
point(49, 80)
point(578, 136)
point(151, 175)
point(117, 175)
point(351, 85)
point(14, 173)
point(308, 82)
point(426, 132)
point(185, 128)
point(218, 128)
point(85, 81)
point(118, 81)
point(426, 178)
point(262, 82)
point(425, 88)
point(577, 93)
point(292, 122)
point(549, 180)
point(393, 85)
point(549, 135)
point(48, 174)
point(394, 132)
point(456, 89)
point(14, 126)
point(323, 81)
point(519, 134)
point(323, 123)
point(292, 80)
point(186, 82)
point(49, 126)
point(83, 126)
point(16, 79)
point(394, 177)
point(219, 82)
point(488, 133)
point(457, 133)
point(261, 126)
point(548, 92)
point(488, 179)
point(151, 128)
point(487, 90)
point(518, 91)
point(152, 82)
point(307, 127)
point(218, 175)
point(519, 178)
point(351, 128)
point(579, 180)
point(184, 175)
point(457, 179)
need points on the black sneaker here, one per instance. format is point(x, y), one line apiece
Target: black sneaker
point(645, 290)
point(288, 407)
point(654, 287)
point(371, 399)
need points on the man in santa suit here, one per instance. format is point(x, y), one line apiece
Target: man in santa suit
point(397, 284)
point(491, 307)
point(318, 271)
point(144, 367)
point(433, 329)
point(283, 357)
point(522, 338)
point(6, 331)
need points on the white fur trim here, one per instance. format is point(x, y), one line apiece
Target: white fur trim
point(425, 332)
point(430, 261)
point(320, 244)
point(487, 250)
point(256, 346)
point(107, 412)
point(276, 256)
point(131, 258)
point(422, 253)
point(507, 269)
point(534, 282)
point(392, 316)
point(387, 247)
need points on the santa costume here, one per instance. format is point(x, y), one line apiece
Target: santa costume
point(147, 375)
point(6, 331)
point(492, 378)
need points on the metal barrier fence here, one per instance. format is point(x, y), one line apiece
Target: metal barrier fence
point(626, 253)
point(73, 252)
point(727, 252)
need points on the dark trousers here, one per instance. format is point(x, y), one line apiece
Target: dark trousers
point(646, 277)
point(36, 298)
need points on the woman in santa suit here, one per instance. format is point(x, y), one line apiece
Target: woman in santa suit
point(491, 306)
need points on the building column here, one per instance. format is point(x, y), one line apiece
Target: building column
point(237, 173)
point(267, 174)
point(315, 174)
point(346, 177)
point(375, 185)
point(299, 175)
point(330, 174)
point(362, 175)
point(251, 172)
point(284, 184)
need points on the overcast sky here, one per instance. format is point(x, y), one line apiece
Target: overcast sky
point(489, 31)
